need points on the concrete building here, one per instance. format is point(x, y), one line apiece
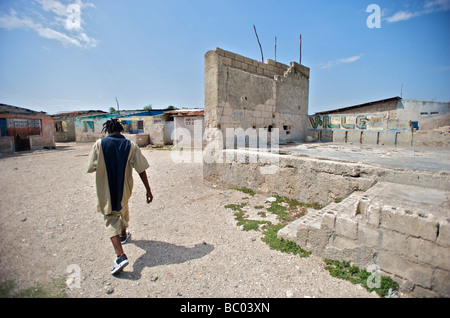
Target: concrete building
point(244, 93)
point(393, 121)
point(89, 128)
point(188, 123)
point(385, 208)
point(146, 127)
point(24, 129)
point(143, 127)
point(65, 124)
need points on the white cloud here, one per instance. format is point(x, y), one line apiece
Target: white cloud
point(430, 6)
point(12, 21)
point(437, 5)
point(401, 16)
point(66, 28)
point(346, 60)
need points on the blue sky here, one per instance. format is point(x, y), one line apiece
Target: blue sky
point(66, 55)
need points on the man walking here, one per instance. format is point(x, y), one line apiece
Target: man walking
point(113, 159)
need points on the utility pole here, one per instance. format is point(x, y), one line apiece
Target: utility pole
point(117, 102)
point(300, 60)
point(275, 49)
point(260, 47)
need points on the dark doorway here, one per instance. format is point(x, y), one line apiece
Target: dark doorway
point(22, 144)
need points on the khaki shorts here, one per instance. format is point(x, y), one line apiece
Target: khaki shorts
point(116, 222)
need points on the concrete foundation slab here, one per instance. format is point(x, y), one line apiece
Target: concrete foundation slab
point(383, 205)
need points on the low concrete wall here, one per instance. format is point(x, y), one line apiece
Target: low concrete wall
point(406, 236)
point(408, 239)
point(7, 144)
point(390, 122)
point(310, 179)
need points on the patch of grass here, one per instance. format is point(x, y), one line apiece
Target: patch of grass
point(288, 210)
point(235, 207)
point(344, 270)
point(53, 289)
point(262, 214)
point(258, 207)
point(275, 243)
point(247, 224)
point(269, 230)
point(244, 190)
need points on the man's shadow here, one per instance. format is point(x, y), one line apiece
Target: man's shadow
point(162, 253)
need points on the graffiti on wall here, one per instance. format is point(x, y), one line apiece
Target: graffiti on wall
point(362, 121)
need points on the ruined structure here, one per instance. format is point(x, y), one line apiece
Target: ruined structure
point(390, 216)
point(65, 124)
point(89, 128)
point(394, 121)
point(24, 129)
point(143, 127)
point(244, 93)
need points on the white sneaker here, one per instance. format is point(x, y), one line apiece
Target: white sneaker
point(119, 264)
point(124, 238)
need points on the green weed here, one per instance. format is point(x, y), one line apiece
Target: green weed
point(244, 190)
point(53, 289)
point(268, 229)
point(275, 243)
point(345, 270)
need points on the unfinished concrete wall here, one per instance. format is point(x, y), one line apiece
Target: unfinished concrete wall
point(401, 230)
point(89, 128)
point(244, 93)
point(396, 219)
point(389, 122)
point(64, 128)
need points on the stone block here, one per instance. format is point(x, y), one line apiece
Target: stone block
point(227, 111)
point(248, 60)
point(409, 223)
point(398, 265)
point(268, 73)
point(226, 61)
point(251, 68)
point(238, 57)
point(346, 227)
point(257, 114)
point(429, 253)
point(236, 64)
point(328, 219)
point(344, 243)
point(421, 292)
point(373, 215)
point(368, 235)
point(395, 242)
point(229, 54)
point(225, 120)
point(265, 114)
point(441, 282)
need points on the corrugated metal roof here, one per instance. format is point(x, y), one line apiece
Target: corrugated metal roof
point(187, 112)
point(19, 110)
point(357, 106)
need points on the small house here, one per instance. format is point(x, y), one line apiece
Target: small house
point(24, 129)
point(65, 124)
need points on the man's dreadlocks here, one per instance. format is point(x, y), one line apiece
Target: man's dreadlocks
point(112, 126)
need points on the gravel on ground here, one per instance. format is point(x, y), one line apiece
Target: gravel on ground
point(184, 244)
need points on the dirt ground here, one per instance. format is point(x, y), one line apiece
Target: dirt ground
point(184, 244)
